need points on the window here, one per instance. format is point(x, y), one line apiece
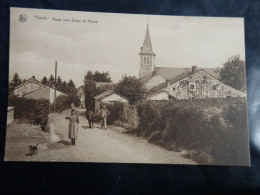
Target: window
point(144, 60)
point(214, 87)
point(204, 77)
point(173, 88)
point(192, 86)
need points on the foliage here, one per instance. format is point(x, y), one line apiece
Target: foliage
point(64, 102)
point(98, 76)
point(51, 81)
point(71, 89)
point(115, 110)
point(44, 81)
point(234, 73)
point(175, 125)
point(102, 77)
point(16, 79)
point(34, 111)
point(131, 88)
point(90, 93)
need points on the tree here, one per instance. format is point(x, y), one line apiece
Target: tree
point(71, 89)
point(59, 83)
point(131, 88)
point(233, 73)
point(64, 87)
point(102, 77)
point(51, 81)
point(44, 81)
point(16, 79)
point(90, 93)
point(89, 76)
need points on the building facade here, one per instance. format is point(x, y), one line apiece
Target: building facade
point(81, 95)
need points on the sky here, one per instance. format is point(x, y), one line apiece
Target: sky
point(111, 42)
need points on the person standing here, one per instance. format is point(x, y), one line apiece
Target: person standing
point(104, 113)
point(73, 126)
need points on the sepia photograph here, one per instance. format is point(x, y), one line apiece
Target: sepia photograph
point(126, 88)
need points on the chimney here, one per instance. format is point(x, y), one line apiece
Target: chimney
point(168, 82)
point(194, 68)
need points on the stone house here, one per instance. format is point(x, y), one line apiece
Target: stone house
point(196, 84)
point(34, 89)
point(109, 97)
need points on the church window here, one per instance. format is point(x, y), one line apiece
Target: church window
point(144, 60)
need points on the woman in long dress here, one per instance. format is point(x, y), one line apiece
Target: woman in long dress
point(73, 126)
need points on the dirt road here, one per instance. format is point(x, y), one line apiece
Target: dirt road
point(98, 145)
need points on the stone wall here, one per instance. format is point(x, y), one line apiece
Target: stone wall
point(10, 115)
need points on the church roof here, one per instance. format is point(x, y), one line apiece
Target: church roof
point(171, 73)
point(147, 46)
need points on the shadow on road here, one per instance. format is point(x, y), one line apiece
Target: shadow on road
point(66, 143)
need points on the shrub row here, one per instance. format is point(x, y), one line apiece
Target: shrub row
point(116, 110)
point(34, 111)
point(64, 102)
point(178, 124)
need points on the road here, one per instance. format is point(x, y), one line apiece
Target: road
point(98, 145)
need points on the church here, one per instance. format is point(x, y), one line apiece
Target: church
point(164, 83)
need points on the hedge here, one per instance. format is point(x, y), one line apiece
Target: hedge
point(116, 110)
point(32, 110)
point(64, 102)
point(217, 138)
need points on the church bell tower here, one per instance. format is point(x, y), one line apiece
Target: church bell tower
point(146, 57)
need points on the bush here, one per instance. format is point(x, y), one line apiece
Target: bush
point(64, 102)
point(34, 111)
point(176, 124)
point(115, 110)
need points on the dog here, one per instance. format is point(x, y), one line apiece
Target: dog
point(33, 149)
point(91, 118)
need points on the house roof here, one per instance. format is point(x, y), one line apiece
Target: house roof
point(30, 80)
point(46, 87)
point(106, 94)
point(147, 46)
point(170, 73)
point(177, 78)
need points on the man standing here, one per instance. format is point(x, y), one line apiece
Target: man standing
point(104, 113)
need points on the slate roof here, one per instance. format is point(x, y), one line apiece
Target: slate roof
point(170, 73)
point(147, 46)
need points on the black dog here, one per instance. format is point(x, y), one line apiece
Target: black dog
point(91, 118)
point(33, 149)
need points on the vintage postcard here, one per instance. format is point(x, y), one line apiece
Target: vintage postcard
point(126, 88)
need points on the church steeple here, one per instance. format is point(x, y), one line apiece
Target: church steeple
point(147, 46)
point(147, 56)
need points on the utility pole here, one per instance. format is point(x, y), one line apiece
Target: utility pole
point(55, 86)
